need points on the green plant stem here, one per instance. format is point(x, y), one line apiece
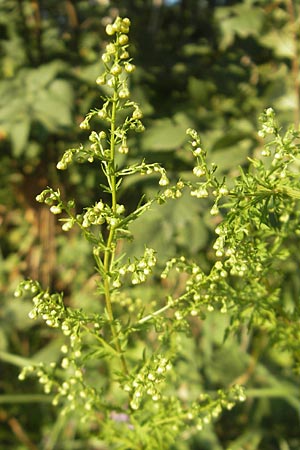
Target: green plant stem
point(110, 247)
point(155, 313)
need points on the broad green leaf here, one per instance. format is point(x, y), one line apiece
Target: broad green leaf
point(51, 111)
point(62, 90)
point(287, 102)
point(42, 76)
point(242, 20)
point(166, 134)
point(280, 41)
point(232, 155)
point(19, 135)
point(171, 225)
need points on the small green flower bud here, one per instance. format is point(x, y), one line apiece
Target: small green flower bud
point(84, 125)
point(124, 93)
point(101, 80)
point(105, 58)
point(139, 128)
point(93, 136)
point(102, 114)
point(123, 149)
point(32, 314)
point(199, 171)
point(124, 55)
point(39, 198)
point(64, 349)
point(120, 209)
point(48, 201)
point(65, 363)
point(55, 209)
point(261, 134)
point(137, 114)
point(110, 49)
point(116, 70)
point(214, 210)
point(223, 190)
point(269, 112)
point(197, 151)
point(61, 166)
point(124, 29)
point(126, 22)
point(110, 30)
point(163, 181)
point(18, 293)
point(21, 376)
point(123, 39)
point(67, 226)
point(116, 284)
point(129, 67)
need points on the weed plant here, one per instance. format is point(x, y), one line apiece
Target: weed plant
point(119, 372)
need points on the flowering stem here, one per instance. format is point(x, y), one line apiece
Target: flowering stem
point(110, 245)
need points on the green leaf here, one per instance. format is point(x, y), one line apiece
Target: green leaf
point(40, 77)
point(200, 90)
point(52, 111)
point(166, 134)
point(19, 135)
point(169, 226)
point(242, 20)
point(230, 156)
point(281, 42)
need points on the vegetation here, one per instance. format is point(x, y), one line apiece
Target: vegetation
point(142, 277)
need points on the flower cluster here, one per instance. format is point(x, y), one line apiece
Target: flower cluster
point(269, 125)
point(201, 189)
point(49, 307)
point(174, 191)
point(147, 381)
point(52, 199)
point(45, 375)
point(71, 391)
point(79, 154)
point(282, 150)
point(118, 66)
point(207, 409)
point(140, 268)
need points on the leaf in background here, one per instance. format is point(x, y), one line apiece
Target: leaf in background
point(200, 90)
point(52, 110)
point(50, 352)
point(243, 20)
point(229, 156)
point(35, 95)
point(42, 76)
point(16, 314)
point(166, 134)
point(174, 224)
point(280, 41)
point(19, 135)
point(287, 102)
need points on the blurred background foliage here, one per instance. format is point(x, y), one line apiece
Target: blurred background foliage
point(213, 65)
